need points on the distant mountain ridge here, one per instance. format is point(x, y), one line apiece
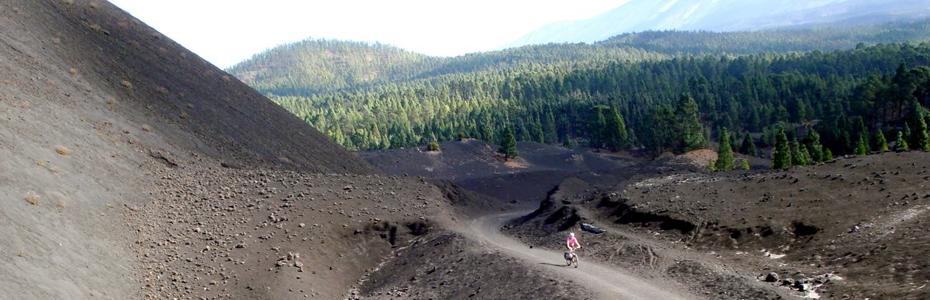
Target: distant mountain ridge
point(320, 65)
point(312, 67)
point(725, 15)
point(826, 37)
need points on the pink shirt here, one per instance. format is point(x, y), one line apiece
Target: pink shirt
point(572, 242)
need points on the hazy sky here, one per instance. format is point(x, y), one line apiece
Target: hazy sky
point(228, 31)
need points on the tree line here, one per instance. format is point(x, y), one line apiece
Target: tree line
point(831, 103)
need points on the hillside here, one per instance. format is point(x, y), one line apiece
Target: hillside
point(314, 66)
point(476, 166)
point(109, 63)
point(844, 95)
point(727, 15)
point(552, 93)
point(317, 66)
point(125, 156)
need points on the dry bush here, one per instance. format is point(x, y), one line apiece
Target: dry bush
point(47, 165)
point(32, 198)
point(62, 150)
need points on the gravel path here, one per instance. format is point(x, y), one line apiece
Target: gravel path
point(607, 282)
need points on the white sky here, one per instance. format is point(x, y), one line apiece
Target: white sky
point(228, 31)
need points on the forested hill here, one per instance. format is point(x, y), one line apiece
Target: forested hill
point(851, 94)
point(668, 98)
point(808, 38)
point(315, 66)
point(321, 65)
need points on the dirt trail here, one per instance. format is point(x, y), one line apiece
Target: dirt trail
point(607, 282)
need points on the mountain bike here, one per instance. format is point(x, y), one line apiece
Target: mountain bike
point(571, 258)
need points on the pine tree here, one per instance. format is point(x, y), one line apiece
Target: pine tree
point(615, 134)
point(862, 147)
point(689, 124)
point(797, 155)
point(597, 129)
point(806, 156)
point(815, 153)
point(744, 165)
point(748, 147)
point(881, 144)
point(662, 135)
point(815, 149)
point(433, 146)
point(549, 130)
point(508, 144)
point(921, 137)
point(725, 153)
point(827, 154)
point(781, 155)
point(900, 144)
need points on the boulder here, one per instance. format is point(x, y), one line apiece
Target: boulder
point(591, 228)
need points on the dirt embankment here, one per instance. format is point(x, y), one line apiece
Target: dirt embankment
point(849, 218)
point(572, 208)
point(822, 229)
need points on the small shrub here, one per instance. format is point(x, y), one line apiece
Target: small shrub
point(62, 150)
point(32, 198)
point(433, 146)
point(47, 165)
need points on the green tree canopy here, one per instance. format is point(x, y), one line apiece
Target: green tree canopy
point(725, 152)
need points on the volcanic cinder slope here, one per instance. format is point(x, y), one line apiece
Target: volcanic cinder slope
point(476, 165)
point(134, 169)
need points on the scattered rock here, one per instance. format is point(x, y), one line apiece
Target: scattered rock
point(771, 277)
point(591, 228)
point(230, 165)
point(163, 157)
